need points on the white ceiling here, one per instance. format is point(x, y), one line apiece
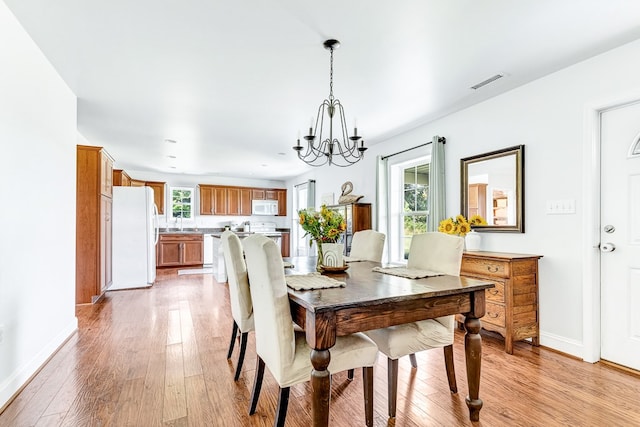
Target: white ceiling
point(233, 82)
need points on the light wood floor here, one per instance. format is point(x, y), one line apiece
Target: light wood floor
point(157, 356)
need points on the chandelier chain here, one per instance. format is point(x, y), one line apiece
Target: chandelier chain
point(331, 78)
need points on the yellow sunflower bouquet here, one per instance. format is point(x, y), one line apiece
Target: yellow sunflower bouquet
point(325, 226)
point(460, 225)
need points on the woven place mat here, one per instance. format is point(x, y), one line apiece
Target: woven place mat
point(352, 259)
point(410, 273)
point(303, 282)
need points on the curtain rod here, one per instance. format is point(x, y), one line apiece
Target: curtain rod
point(304, 183)
point(441, 139)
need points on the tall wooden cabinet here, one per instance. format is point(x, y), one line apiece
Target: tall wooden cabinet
point(357, 217)
point(512, 306)
point(94, 191)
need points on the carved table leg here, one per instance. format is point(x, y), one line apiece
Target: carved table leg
point(473, 356)
point(320, 387)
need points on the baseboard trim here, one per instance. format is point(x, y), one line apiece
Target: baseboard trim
point(16, 382)
point(562, 344)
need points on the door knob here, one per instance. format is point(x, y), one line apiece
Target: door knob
point(607, 247)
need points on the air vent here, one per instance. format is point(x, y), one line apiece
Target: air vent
point(486, 82)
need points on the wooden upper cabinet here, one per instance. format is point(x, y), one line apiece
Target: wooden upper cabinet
point(233, 201)
point(257, 194)
point(121, 178)
point(220, 201)
point(158, 194)
point(245, 201)
point(206, 200)
point(137, 183)
point(271, 194)
point(106, 170)
point(282, 202)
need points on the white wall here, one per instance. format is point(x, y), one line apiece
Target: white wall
point(547, 116)
point(37, 207)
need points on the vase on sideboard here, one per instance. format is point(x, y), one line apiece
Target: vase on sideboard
point(472, 241)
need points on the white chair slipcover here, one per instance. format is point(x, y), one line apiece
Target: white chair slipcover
point(281, 347)
point(366, 245)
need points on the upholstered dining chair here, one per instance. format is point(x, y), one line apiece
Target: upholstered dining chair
point(281, 347)
point(366, 245)
point(239, 294)
point(437, 252)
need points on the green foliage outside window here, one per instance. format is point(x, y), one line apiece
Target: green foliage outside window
point(182, 202)
point(416, 190)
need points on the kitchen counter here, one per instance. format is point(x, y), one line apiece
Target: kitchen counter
point(215, 232)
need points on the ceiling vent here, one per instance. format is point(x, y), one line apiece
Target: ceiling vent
point(486, 82)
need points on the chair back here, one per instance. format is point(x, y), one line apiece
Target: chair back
point(275, 337)
point(239, 294)
point(437, 252)
point(367, 245)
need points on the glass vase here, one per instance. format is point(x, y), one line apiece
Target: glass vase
point(320, 256)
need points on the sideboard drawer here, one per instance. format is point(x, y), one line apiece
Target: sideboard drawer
point(485, 267)
point(495, 314)
point(496, 294)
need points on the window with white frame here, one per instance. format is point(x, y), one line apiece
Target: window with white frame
point(408, 209)
point(182, 202)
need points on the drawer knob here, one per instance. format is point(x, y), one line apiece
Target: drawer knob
point(493, 269)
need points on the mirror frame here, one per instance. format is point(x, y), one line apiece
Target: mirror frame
point(518, 152)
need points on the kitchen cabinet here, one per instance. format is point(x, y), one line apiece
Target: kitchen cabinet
point(478, 200)
point(158, 194)
point(357, 216)
point(512, 305)
point(94, 185)
point(231, 200)
point(281, 195)
point(121, 178)
point(285, 244)
point(137, 183)
point(178, 250)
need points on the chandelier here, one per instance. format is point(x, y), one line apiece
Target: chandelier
point(333, 150)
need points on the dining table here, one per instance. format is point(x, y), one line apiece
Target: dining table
point(371, 300)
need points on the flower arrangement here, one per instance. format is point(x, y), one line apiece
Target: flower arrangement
point(460, 225)
point(325, 226)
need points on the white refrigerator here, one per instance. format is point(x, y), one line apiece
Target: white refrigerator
point(135, 234)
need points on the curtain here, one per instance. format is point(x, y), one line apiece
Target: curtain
point(436, 197)
point(311, 193)
point(382, 203)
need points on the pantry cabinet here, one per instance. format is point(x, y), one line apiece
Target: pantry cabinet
point(94, 191)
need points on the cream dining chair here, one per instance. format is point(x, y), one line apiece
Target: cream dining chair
point(239, 294)
point(441, 253)
point(366, 245)
point(283, 348)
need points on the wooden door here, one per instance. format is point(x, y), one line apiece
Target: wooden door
point(620, 236)
point(282, 202)
point(233, 201)
point(206, 200)
point(245, 201)
point(219, 200)
point(192, 253)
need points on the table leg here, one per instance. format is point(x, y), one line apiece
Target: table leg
point(320, 387)
point(473, 356)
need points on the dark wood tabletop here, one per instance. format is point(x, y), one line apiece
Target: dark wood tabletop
point(372, 300)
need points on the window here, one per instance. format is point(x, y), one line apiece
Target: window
point(416, 189)
point(407, 194)
point(182, 202)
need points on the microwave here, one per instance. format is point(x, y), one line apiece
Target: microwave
point(264, 207)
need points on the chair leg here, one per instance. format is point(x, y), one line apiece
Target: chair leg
point(257, 385)
point(367, 382)
point(350, 374)
point(243, 349)
point(283, 404)
point(414, 362)
point(392, 385)
point(233, 339)
point(451, 370)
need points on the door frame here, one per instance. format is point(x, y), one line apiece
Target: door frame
point(591, 321)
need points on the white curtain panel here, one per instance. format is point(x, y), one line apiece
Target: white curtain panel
point(436, 198)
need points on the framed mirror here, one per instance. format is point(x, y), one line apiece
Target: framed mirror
point(492, 186)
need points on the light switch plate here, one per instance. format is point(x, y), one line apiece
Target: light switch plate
point(561, 207)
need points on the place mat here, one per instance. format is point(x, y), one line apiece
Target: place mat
point(410, 273)
point(303, 282)
point(352, 259)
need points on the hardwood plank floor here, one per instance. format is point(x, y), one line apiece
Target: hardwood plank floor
point(157, 357)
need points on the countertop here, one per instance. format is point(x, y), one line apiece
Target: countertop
point(215, 232)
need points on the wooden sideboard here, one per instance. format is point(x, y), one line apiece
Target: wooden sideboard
point(512, 306)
